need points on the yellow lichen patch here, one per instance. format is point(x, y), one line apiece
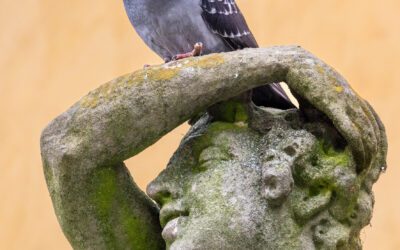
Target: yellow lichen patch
point(206, 62)
point(105, 91)
point(339, 89)
point(320, 69)
point(89, 101)
point(336, 85)
point(108, 89)
point(332, 79)
point(94, 98)
point(161, 73)
point(135, 77)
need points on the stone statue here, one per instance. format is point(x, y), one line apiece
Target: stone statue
point(244, 176)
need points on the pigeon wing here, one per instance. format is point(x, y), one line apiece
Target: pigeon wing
point(226, 20)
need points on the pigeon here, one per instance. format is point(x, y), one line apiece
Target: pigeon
point(175, 29)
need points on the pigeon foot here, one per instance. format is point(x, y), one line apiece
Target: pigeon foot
point(197, 49)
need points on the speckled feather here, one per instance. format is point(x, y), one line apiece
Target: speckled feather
point(226, 20)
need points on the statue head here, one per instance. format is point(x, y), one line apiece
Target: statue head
point(260, 178)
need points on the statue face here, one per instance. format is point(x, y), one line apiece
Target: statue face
point(228, 186)
point(212, 194)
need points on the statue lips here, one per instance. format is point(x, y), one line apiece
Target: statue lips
point(170, 216)
point(170, 231)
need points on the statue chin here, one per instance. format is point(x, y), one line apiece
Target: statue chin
point(274, 183)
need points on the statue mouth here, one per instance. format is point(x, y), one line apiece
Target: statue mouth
point(171, 230)
point(171, 215)
point(171, 211)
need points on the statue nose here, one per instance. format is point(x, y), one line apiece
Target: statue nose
point(159, 192)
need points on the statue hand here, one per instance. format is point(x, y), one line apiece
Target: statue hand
point(326, 90)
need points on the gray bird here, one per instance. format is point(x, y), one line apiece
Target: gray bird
point(172, 27)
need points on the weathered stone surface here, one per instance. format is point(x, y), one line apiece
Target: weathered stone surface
point(245, 178)
point(285, 188)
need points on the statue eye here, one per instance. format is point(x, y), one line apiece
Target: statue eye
point(211, 156)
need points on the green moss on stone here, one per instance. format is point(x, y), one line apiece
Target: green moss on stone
point(134, 231)
point(331, 155)
point(105, 189)
point(103, 197)
point(230, 111)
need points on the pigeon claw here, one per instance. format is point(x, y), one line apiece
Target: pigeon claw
point(197, 50)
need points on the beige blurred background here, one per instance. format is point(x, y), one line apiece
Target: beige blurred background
point(54, 52)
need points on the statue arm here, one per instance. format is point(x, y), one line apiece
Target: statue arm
point(95, 199)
